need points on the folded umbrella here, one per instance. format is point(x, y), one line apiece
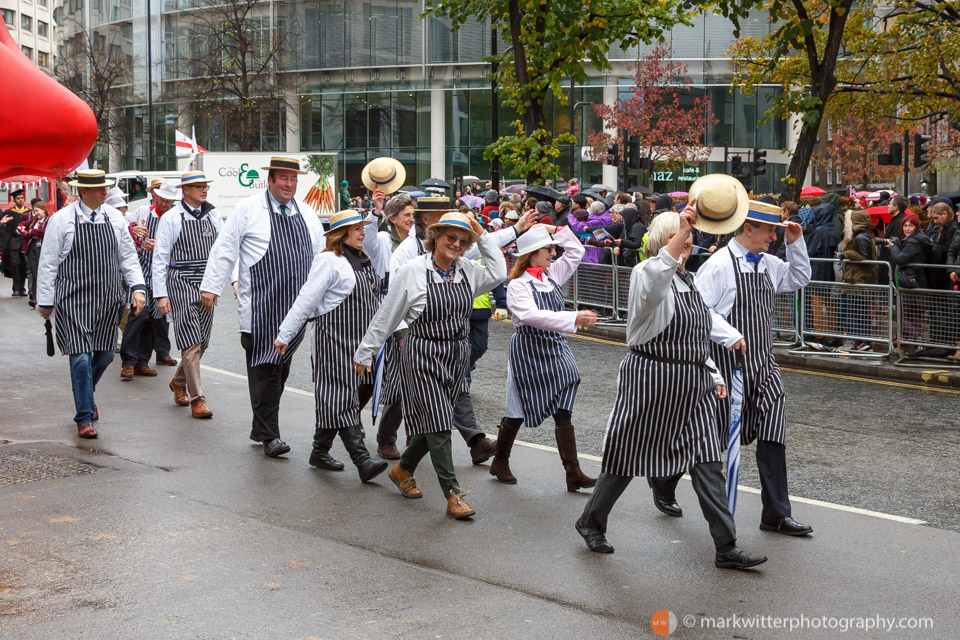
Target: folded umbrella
point(49, 329)
point(733, 435)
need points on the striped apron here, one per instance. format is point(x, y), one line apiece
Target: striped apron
point(664, 418)
point(391, 391)
point(275, 282)
point(336, 336)
point(188, 258)
point(764, 411)
point(542, 365)
point(435, 356)
point(89, 295)
point(146, 265)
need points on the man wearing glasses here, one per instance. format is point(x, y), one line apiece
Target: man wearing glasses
point(184, 240)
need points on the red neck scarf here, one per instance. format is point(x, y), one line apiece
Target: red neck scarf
point(536, 272)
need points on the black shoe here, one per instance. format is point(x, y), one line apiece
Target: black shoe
point(596, 541)
point(368, 469)
point(668, 506)
point(919, 352)
point(23, 294)
point(322, 459)
point(737, 558)
point(275, 448)
point(33, 304)
point(787, 526)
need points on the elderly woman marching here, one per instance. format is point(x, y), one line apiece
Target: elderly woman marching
point(434, 294)
point(343, 293)
point(663, 421)
point(542, 376)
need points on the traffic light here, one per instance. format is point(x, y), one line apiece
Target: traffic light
point(613, 155)
point(736, 166)
point(759, 162)
point(633, 152)
point(921, 147)
point(896, 153)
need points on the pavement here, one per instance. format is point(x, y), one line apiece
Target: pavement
point(169, 527)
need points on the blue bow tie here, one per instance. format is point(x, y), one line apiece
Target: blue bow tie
point(754, 257)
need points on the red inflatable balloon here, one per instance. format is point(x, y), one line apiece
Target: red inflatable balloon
point(47, 130)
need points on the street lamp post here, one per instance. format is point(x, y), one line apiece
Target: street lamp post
point(149, 91)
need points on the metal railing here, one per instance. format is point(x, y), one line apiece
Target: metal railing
point(928, 318)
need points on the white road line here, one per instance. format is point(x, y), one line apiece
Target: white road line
point(585, 456)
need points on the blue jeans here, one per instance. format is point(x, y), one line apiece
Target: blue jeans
point(85, 372)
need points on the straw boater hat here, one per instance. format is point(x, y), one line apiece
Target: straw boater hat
point(433, 204)
point(284, 164)
point(156, 182)
point(385, 174)
point(722, 203)
point(91, 178)
point(536, 238)
point(345, 218)
point(192, 178)
point(763, 212)
point(456, 220)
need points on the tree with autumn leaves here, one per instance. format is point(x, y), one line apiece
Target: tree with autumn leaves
point(550, 41)
point(668, 132)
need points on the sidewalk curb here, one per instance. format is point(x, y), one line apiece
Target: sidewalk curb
point(880, 369)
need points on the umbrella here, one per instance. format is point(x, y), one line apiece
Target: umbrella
point(733, 436)
point(812, 191)
point(881, 212)
point(590, 193)
point(677, 194)
point(541, 192)
point(602, 187)
point(49, 330)
point(435, 182)
point(645, 191)
point(953, 196)
point(416, 194)
point(471, 179)
point(472, 201)
point(608, 200)
point(516, 188)
point(409, 188)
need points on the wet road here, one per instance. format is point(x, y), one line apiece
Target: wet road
point(870, 444)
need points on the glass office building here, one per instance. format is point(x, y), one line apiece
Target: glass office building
point(371, 78)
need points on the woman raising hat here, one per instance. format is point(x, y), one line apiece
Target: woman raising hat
point(664, 418)
point(343, 293)
point(542, 376)
point(434, 294)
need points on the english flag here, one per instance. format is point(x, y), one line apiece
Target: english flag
point(187, 147)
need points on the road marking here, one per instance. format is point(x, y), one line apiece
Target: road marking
point(586, 456)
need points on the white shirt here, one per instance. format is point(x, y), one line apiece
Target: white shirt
point(717, 283)
point(408, 292)
point(140, 215)
point(523, 308)
point(58, 241)
point(243, 242)
point(167, 235)
point(651, 305)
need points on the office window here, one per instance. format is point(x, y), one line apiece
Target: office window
point(43, 59)
point(27, 51)
point(41, 28)
point(41, 3)
point(9, 17)
point(26, 23)
point(830, 173)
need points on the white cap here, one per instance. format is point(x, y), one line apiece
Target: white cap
point(536, 238)
point(116, 201)
point(167, 191)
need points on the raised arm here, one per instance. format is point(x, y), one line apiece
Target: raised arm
point(573, 250)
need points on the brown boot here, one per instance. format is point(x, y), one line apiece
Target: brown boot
point(567, 444)
point(457, 508)
point(179, 394)
point(405, 482)
point(200, 409)
point(126, 373)
point(500, 467)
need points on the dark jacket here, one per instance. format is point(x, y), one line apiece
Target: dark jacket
point(859, 244)
point(893, 227)
point(823, 243)
point(836, 202)
point(916, 248)
point(942, 242)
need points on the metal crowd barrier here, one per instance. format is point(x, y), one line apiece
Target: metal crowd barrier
point(928, 318)
point(857, 312)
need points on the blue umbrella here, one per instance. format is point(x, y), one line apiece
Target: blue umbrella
point(733, 436)
point(377, 385)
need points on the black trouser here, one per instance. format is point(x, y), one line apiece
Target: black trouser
point(389, 423)
point(772, 465)
point(479, 337)
point(322, 438)
point(711, 491)
point(18, 270)
point(33, 263)
point(266, 387)
point(136, 347)
point(161, 337)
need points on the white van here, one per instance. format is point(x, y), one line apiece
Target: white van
point(126, 179)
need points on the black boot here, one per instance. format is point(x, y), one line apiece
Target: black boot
point(367, 467)
point(320, 456)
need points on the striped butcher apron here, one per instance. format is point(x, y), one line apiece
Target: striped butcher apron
point(764, 400)
point(543, 368)
point(391, 391)
point(192, 323)
point(336, 336)
point(664, 418)
point(89, 295)
point(146, 265)
point(435, 357)
point(275, 282)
